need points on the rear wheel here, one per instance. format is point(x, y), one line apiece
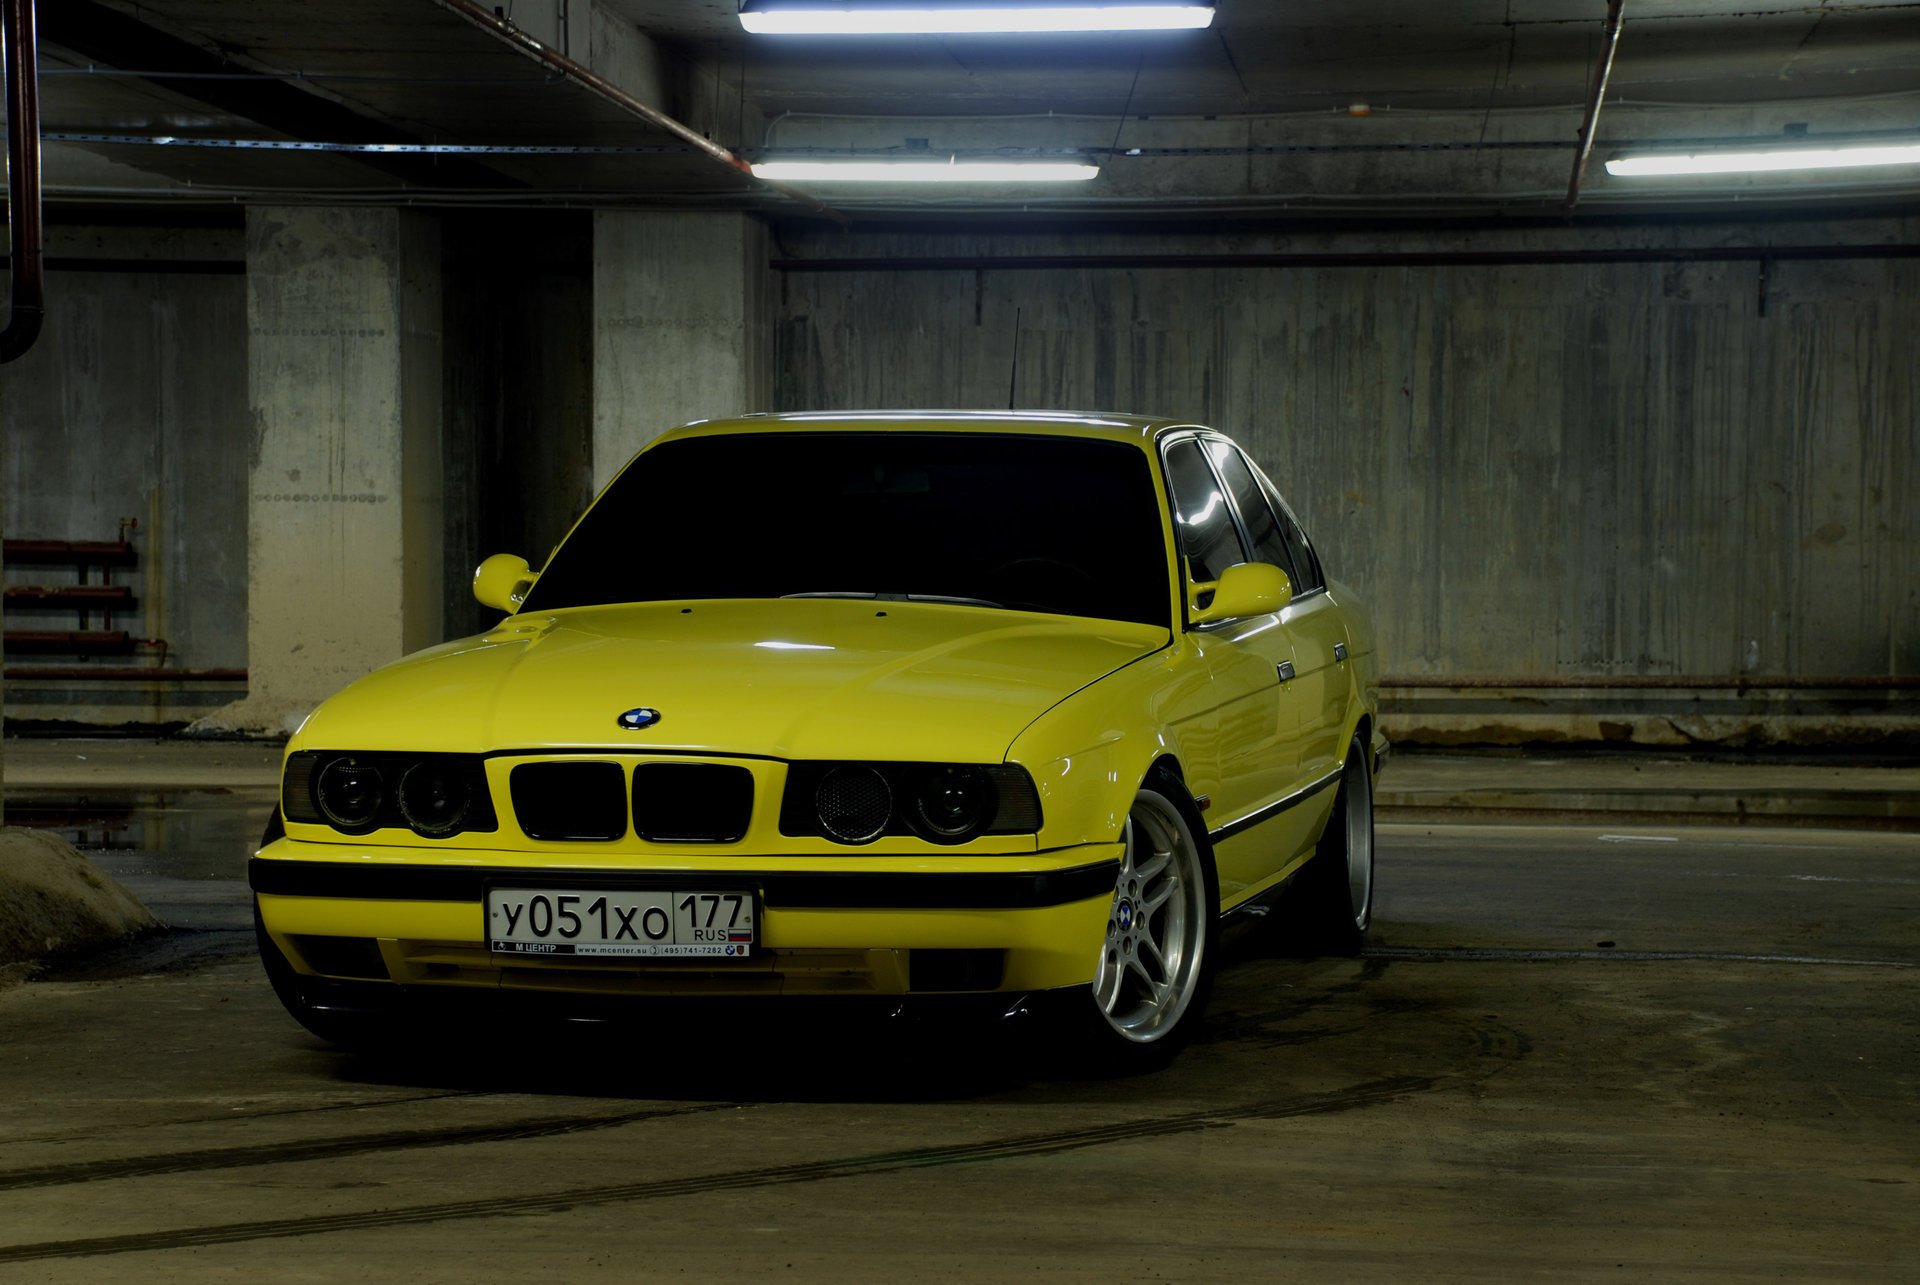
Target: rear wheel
point(1155, 968)
point(1330, 905)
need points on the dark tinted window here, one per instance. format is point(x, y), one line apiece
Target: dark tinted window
point(1311, 576)
point(1263, 529)
point(1207, 533)
point(1052, 524)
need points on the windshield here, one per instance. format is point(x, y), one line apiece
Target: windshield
point(1051, 524)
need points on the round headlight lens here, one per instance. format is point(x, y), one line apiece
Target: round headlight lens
point(854, 803)
point(434, 798)
point(349, 794)
point(955, 803)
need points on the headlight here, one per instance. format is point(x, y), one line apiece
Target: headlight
point(434, 795)
point(943, 803)
point(350, 793)
point(954, 803)
point(854, 803)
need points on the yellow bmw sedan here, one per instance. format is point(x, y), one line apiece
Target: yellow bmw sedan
point(903, 705)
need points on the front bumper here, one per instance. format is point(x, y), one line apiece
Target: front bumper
point(1010, 924)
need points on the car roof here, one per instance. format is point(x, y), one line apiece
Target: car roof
point(1123, 428)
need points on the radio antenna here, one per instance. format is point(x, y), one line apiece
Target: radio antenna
point(1013, 375)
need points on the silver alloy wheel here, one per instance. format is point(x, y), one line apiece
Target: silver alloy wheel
point(1359, 789)
point(1151, 961)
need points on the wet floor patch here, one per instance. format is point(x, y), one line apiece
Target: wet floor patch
point(183, 853)
point(188, 834)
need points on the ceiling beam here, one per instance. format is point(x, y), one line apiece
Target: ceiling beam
point(105, 35)
point(587, 78)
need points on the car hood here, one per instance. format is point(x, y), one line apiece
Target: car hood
point(789, 678)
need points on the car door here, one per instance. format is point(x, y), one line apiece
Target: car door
point(1319, 632)
point(1313, 626)
point(1252, 724)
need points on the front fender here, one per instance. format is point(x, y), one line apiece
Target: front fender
point(1088, 754)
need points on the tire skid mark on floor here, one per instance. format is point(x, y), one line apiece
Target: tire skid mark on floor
point(1536, 955)
point(1371, 1093)
point(268, 1113)
point(332, 1148)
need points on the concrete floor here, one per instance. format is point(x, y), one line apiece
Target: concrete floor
point(1594, 1049)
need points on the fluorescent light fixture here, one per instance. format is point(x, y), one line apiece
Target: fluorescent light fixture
point(1800, 158)
point(932, 17)
point(929, 171)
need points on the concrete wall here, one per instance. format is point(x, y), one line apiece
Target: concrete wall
point(134, 406)
point(681, 325)
point(519, 392)
point(131, 409)
point(1553, 472)
point(345, 518)
point(1546, 471)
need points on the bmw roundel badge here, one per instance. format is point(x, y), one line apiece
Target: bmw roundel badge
point(635, 719)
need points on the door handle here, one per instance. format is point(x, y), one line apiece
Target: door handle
point(1339, 653)
point(1286, 671)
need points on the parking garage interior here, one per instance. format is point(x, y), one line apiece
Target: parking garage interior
point(336, 301)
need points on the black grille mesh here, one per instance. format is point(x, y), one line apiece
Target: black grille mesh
point(579, 801)
point(692, 802)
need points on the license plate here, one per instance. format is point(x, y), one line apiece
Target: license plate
point(550, 921)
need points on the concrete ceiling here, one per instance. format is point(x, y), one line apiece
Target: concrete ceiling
point(1360, 107)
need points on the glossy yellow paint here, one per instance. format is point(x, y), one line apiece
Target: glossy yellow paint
point(800, 678)
point(503, 582)
point(1090, 708)
point(1244, 589)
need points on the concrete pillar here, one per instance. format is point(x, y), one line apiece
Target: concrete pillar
point(682, 326)
point(344, 506)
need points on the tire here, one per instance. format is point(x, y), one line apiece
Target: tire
point(348, 1028)
point(1155, 969)
point(1329, 907)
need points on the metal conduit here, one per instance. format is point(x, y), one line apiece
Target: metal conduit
point(1602, 73)
point(29, 302)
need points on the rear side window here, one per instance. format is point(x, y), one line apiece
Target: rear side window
point(1263, 528)
point(1207, 533)
point(1311, 576)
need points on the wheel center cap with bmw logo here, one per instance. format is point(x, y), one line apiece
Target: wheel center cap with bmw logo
point(1126, 914)
point(636, 719)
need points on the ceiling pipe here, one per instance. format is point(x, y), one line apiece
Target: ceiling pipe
point(28, 306)
point(1346, 259)
point(587, 79)
point(1602, 72)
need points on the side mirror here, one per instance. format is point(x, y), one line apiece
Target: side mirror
point(502, 582)
point(1244, 589)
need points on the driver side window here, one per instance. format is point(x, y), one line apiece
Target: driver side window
point(1208, 536)
point(1269, 544)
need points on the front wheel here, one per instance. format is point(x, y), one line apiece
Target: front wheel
point(347, 1028)
point(1155, 968)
